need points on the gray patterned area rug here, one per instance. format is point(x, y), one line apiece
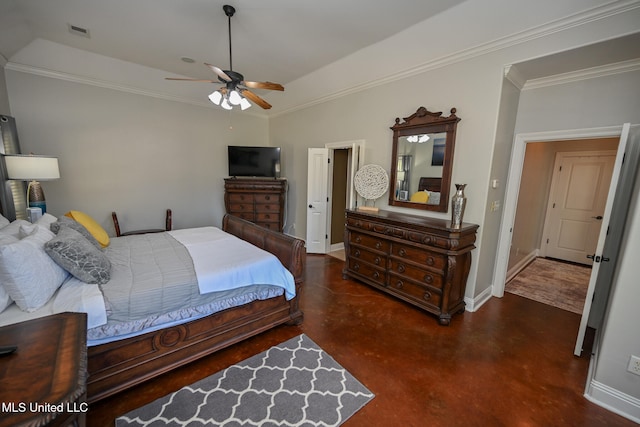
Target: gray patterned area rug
point(295, 383)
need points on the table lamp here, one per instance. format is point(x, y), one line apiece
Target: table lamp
point(33, 168)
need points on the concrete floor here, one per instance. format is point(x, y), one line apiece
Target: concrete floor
point(510, 363)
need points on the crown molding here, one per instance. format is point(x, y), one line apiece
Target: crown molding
point(589, 73)
point(59, 75)
point(597, 13)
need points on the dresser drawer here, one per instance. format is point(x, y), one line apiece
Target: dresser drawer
point(367, 256)
point(370, 242)
point(420, 256)
point(267, 198)
point(240, 198)
point(240, 207)
point(267, 207)
point(415, 291)
point(370, 272)
point(417, 274)
point(267, 217)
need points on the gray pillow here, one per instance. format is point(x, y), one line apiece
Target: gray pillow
point(73, 252)
point(65, 221)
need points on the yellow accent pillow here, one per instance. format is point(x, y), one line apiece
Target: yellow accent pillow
point(420, 197)
point(91, 225)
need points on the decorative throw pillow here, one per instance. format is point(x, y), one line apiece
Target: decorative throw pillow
point(79, 257)
point(75, 225)
point(27, 273)
point(90, 224)
point(46, 220)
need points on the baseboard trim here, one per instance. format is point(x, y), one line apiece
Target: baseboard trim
point(336, 247)
point(513, 271)
point(613, 400)
point(473, 304)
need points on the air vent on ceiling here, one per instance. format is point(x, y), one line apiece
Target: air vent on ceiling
point(79, 31)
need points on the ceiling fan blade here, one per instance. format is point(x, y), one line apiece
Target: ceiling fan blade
point(256, 99)
point(191, 80)
point(219, 72)
point(263, 85)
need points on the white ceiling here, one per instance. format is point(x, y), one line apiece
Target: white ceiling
point(274, 40)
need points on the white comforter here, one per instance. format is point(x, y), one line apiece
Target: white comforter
point(237, 262)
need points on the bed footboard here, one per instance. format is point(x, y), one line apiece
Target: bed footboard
point(119, 365)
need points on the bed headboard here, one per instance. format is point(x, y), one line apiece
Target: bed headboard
point(430, 184)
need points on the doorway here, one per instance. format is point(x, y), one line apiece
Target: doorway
point(527, 238)
point(330, 184)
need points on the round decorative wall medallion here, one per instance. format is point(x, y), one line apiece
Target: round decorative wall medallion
point(371, 182)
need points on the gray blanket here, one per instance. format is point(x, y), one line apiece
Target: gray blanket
point(153, 282)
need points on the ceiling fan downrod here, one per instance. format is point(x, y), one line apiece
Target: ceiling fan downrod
point(229, 11)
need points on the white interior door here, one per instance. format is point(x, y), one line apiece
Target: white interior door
point(579, 190)
point(598, 254)
point(317, 203)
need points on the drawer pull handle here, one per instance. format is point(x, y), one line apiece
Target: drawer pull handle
point(267, 197)
point(376, 275)
point(402, 252)
point(358, 239)
point(430, 261)
point(399, 284)
point(356, 267)
point(357, 253)
point(401, 268)
point(378, 245)
point(427, 296)
point(428, 278)
point(377, 260)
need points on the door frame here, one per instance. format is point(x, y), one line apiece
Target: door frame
point(355, 161)
point(513, 187)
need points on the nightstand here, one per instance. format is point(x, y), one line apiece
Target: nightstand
point(44, 381)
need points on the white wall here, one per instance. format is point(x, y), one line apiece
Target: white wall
point(129, 153)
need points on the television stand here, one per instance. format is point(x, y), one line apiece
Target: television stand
point(259, 200)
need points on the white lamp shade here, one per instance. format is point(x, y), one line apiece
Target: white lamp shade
point(215, 97)
point(28, 167)
point(244, 104)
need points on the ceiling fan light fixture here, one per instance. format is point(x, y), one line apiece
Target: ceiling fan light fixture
point(225, 104)
point(244, 104)
point(235, 98)
point(215, 97)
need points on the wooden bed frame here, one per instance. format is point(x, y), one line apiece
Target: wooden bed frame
point(116, 366)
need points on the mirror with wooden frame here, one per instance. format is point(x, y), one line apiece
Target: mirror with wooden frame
point(422, 160)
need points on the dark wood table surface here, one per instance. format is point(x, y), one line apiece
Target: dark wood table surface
point(44, 381)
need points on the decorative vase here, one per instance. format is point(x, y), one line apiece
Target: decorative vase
point(458, 203)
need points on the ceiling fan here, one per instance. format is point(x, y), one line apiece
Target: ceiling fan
point(234, 91)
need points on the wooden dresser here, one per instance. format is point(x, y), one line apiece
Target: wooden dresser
point(416, 259)
point(259, 200)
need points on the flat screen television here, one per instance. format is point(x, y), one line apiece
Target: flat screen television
point(254, 161)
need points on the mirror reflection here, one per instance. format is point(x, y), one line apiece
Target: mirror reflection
point(422, 159)
point(419, 167)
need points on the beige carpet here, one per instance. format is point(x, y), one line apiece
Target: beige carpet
point(560, 284)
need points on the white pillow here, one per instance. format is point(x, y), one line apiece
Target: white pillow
point(46, 220)
point(13, 229)
point(3, 221)
point(27, 273)
point(43, 235)
point(5, 299)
